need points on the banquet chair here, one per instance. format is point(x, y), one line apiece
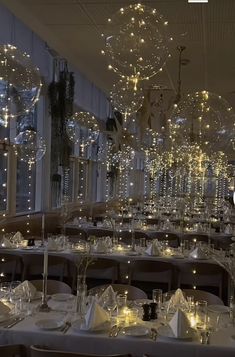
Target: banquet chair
point(13, 351)
point(199, 237)
point(151, 271)
point(73, 232)
point(10, 266)
point(105, 269)
point(57, 266)
point(211, 299)
point(38, 351)
point(53, 286)
point(132, 292)
point(171, 238)
point(201, 274)
point(99, 232)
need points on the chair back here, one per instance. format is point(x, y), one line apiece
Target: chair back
point(10, 265)
point(53, 286)
point(171, 238)
point(199, 237)
point(132, 292)
point(203, 295)
point(151, 271)
point(103, 269)
point(13, 351)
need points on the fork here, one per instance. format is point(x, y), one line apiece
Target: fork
point(14, 322)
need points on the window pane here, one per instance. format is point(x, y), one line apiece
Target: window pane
point(25, 188)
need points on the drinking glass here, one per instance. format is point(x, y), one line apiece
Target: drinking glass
point(110, 303)
point(201, 314)
point(157, 297)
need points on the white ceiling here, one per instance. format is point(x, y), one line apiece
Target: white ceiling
point(73, 28)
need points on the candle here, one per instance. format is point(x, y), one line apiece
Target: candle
point(45, 262)
point(43, 222)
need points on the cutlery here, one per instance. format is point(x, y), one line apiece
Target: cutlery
point(14, 322)
point(116, 332)
point(154, 334)
point(112, 330)
point(66, 327)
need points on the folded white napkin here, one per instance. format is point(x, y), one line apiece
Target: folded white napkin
point(25, 290)
point(52, 244)
point(228, 229)
point(178, 301)
point(6, 243)
point(180, 324)
point(198, 253)
point(154, 248)
point(18, 236)
point(108, 292)
point(100, 246)
point(96, 317)
point(4, 309)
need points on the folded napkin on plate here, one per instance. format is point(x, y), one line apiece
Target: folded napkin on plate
point(6, 243)
point(198, 253)
point(228, 229)
point(180, 325)
point(4, 309)
point(52, 244)
point(100, 246)
point(107, 293)
point(178, 301)
point(154, 248)
point(18, 236)
point(96, 317)
point(25, 290)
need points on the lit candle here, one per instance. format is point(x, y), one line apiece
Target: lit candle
point(45, 262)
point(43, 222)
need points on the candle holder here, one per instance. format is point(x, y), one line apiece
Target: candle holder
point(44, 307)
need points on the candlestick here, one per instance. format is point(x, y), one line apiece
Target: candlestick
point(44, 307)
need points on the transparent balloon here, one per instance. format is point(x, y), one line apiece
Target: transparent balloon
point(126, 98)
point(137, 42)
point(151, 141)
point(82, 129)
point(29, 146)
point(205, 119)
point(20, 83)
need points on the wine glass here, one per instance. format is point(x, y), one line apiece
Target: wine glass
point(110, 303)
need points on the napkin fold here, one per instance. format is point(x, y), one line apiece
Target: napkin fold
point(178, 301)
point(100, 246)
point(154, 248)
point(198, 253)
point(18, 236)
point(180, 324)
point(4, 309)
point(96, 317)
point(107, 293)
point(26, 289)
point(6, 243)
point(52, 244)
point(228, 229)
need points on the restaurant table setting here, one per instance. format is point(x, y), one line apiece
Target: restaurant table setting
point(113, 322)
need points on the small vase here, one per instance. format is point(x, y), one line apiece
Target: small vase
point(81, 296)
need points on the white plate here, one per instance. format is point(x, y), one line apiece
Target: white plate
point(62, 297)
point(165, 332)
point(218, 308)
point(79, 327)
point(136, 331)
point(49, 324)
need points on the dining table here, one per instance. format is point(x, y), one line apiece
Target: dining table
point(29, 331)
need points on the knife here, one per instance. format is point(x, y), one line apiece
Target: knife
point(14, 322)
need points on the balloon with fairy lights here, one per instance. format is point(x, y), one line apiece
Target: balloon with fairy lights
point(137, 44)
point(20, 83)
point(205, 119)
point(125, 98)
point(29, 146)
point(82, 129)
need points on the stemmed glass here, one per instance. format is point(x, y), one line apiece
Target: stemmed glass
point(110, 303)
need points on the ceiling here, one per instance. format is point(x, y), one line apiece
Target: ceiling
point(73, 28)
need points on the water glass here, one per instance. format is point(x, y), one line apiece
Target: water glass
point(201, 314)
point(157, 297)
